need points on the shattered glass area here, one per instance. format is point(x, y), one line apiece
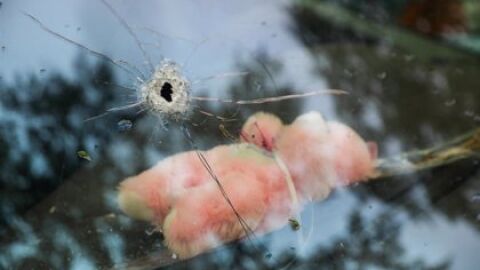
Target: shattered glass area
point(94, 93)
point(158, 93)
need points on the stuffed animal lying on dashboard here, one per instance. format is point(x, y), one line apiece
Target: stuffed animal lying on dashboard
point(268, 177)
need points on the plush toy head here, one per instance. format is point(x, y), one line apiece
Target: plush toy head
point(261, 129)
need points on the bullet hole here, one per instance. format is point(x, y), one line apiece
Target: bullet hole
point(166, 92)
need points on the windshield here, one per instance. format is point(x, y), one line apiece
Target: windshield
point(97, 92)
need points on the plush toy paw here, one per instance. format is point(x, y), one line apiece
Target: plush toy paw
point(261, 129)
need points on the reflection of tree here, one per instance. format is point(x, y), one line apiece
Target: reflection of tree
point(41, 130)
point(435, 18)
point(379, 10)
point(404, 103)
point(372, 243)
point(430, 17)
point(417, 97)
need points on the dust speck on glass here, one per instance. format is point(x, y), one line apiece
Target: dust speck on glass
point(309, 134)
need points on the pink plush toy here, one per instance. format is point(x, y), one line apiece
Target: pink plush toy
point(268, 177)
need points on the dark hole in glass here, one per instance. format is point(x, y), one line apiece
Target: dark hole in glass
point(166, 92)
